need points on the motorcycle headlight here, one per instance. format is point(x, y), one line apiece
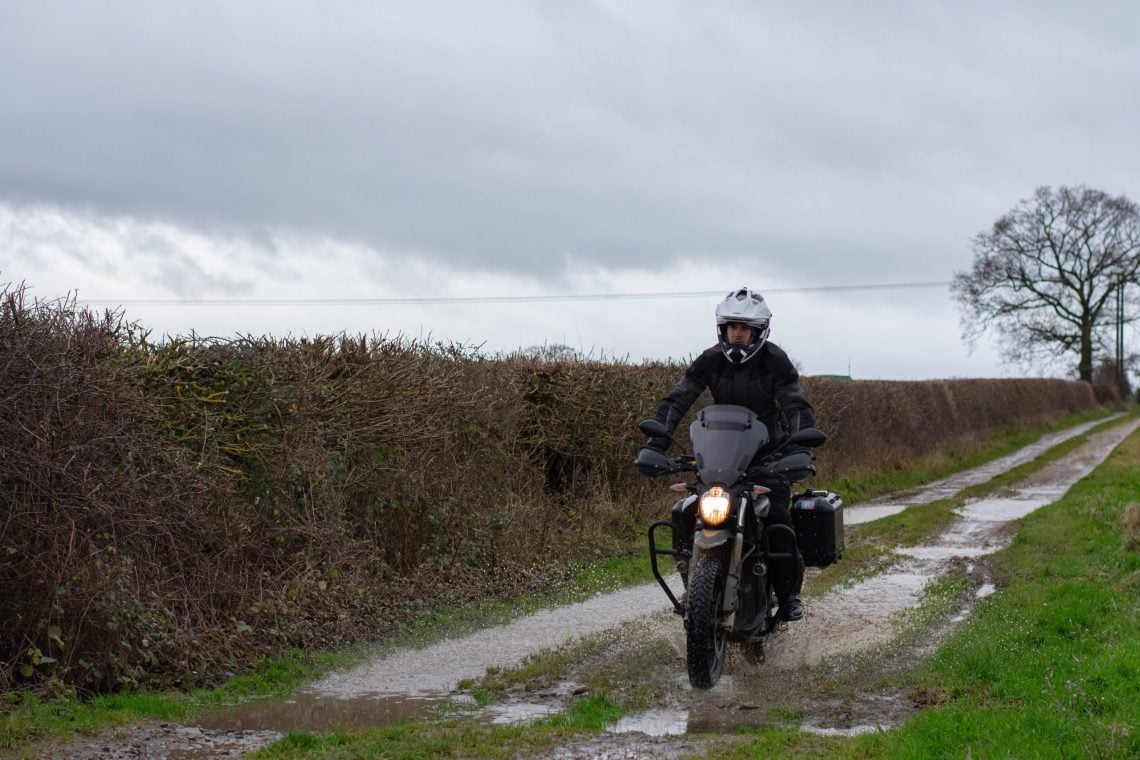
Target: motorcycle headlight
point(714, 506)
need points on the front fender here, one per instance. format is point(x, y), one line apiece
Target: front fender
point(711, 539)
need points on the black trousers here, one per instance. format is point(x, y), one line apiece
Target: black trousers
point(787, 573)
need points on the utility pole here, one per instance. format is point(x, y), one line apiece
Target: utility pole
point(1120, 337)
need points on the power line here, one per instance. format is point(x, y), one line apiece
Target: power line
point(487, 299)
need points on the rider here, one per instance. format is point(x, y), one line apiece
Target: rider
point(746, 369)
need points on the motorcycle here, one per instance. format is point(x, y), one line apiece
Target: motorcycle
point(729, 595)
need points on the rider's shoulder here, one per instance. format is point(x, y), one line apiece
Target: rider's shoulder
point(708, 359)
point(776, 358)
point(774, 352)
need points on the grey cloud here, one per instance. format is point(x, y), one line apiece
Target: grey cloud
point(520, 136)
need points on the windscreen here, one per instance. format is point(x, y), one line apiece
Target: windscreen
point(725, 437)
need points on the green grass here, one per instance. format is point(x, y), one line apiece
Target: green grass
point(1050, 666)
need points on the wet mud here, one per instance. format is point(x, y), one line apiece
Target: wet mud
point(822, 674)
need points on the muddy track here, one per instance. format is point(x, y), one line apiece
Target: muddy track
point(824, 668)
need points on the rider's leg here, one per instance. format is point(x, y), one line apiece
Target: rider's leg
point(787, 574)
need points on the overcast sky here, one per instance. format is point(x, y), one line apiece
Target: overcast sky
point(384, 150)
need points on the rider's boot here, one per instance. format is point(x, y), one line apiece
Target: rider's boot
point(792, 608)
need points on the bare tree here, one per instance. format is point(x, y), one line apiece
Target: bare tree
point(1046, 278)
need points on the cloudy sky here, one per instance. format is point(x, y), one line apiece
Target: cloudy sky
point(303, 167)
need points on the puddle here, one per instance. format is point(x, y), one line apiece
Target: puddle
point(986, 589)
point(513, 713)
point(1004, 510)
point(659, 722)
point(848, 620)
point(853, 731)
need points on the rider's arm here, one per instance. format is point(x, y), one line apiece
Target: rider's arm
point(795, 410)
point(678, 401)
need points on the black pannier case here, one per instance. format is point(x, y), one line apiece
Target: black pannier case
point(818, 518)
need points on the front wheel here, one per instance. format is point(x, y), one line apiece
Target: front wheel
point(706, 639)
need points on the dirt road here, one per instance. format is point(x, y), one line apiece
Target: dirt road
point(840, 631)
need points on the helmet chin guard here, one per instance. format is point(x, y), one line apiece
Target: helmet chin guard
point(743, 306)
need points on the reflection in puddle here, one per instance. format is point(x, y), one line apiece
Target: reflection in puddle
point(520, 712)
point(985, 590)
point(1002, 510)
point(663, 722)
point(852, 731)
point(309, 712)
point(945, 552)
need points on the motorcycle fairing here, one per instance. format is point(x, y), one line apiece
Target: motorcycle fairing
point(725, 438)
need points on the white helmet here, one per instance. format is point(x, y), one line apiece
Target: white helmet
point(747, 307)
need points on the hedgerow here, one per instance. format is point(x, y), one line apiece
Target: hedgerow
point(172, 511)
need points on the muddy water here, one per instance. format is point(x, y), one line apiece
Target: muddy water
point(946, 488)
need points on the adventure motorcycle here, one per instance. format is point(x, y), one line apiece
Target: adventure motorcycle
point(729, 594)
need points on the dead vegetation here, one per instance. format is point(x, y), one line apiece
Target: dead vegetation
point(1131, 523)
point(170, 512)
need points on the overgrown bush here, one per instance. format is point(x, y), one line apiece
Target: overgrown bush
point(171, 511)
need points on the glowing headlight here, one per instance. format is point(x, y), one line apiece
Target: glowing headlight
point(714, 506)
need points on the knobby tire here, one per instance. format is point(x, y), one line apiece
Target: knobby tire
point(706, 639)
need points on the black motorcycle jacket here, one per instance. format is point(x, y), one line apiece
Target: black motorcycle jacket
point(768, 384)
